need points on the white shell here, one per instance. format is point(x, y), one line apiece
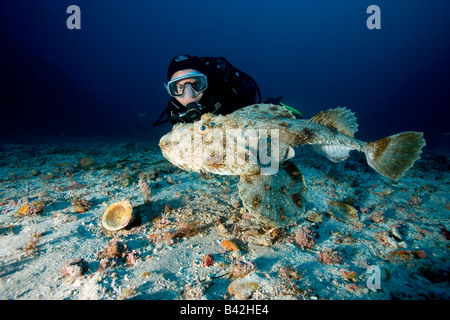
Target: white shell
point(343, 212)
point(117, 216)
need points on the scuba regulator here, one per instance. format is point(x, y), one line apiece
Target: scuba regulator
point(193, 113)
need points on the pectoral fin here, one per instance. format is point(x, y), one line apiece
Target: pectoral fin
point(277, 200)
point(333, 152)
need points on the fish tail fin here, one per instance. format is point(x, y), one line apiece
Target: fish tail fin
point(394, 155)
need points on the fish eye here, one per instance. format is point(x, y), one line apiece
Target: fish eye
point(204, 128)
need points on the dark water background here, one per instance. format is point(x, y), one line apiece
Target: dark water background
point(105, 81)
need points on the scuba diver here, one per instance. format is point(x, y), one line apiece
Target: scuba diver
point(199, 85)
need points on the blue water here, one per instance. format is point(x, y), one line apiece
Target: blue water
point(106, 79)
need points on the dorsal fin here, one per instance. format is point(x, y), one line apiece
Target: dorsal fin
point(340, 118)
point(264, 111)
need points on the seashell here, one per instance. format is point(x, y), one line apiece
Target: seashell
point(229, 246)
point(117, 216)
point(222, 230)
point(86, 162)
point(313, 216)
point(24, 210)
point(343, 212)
point(242, 290)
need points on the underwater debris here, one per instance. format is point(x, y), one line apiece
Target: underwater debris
point(305, 238)
point(114, 249)
point(31, 246)
point(414, 201)
point(145, 190)
point(273, 234)
point(207, 260)
point(330, 256)
point(75, 186)
point(162, 222)
point(289, 273)
point(377, 217)
point(342, 211)
point(229, 245)
point(240, 268)
point(395, 232)
point(48, 176)
point(246, 214)
point(31, 208)
point(131, 259)
point(222, 230)
point(128, 292)
point(193, 292)
point(353, 288)
point(161, 237)
point(125, 179)
point(186, 230)
point(170, 180)
point(346, 238)
point(80, 205)
point(75, 268)
point(23, 211)
point(313, 216)
point(242, 290)
point(399, 256)
point(364, 210)
point(116, 252)
point(235, 203)
point(117, 216)
point(137, 165)
point(385, 239)
point(86, 162)
point(348, 275)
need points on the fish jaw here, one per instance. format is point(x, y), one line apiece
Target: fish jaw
point(176, 147)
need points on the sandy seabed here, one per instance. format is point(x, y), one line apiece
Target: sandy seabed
point(194, 240)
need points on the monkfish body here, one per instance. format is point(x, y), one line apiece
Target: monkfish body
point(255, 143)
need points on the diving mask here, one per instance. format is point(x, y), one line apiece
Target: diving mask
point(188, 85)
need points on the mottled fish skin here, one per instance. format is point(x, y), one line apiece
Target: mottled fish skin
point(330, 132)
point(292, 133)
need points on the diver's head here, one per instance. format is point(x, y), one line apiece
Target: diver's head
point(185, 82)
